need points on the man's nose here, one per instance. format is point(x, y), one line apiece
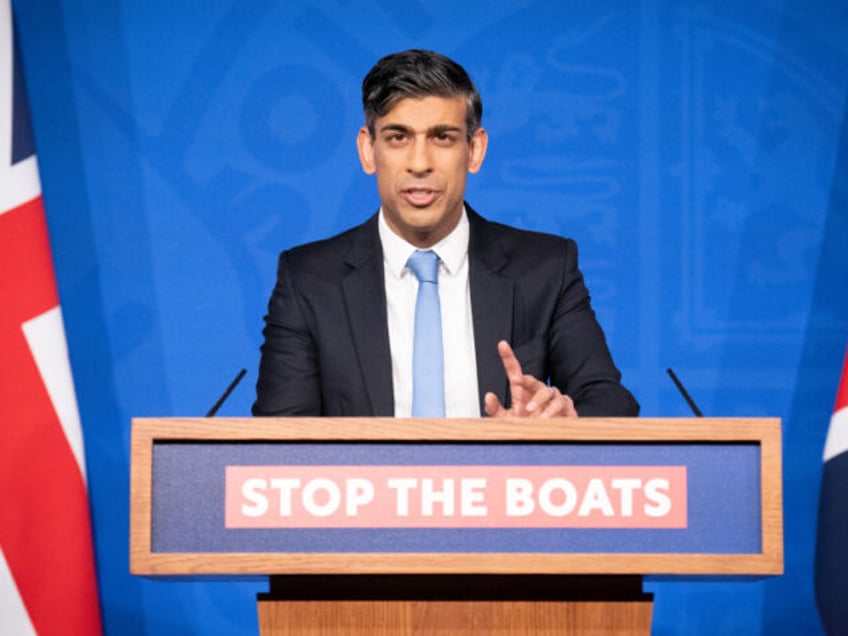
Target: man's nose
point(420, 159)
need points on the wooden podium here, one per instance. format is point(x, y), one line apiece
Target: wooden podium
point(389, 526)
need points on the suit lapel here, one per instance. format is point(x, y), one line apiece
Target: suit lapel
point(492, 297)
point(365, 299)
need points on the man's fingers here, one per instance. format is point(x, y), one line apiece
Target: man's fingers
point(530, 396)
point(541, 395)
point(548, 401)
point(570, 410)
point(559, 406)
point(515, 376)
point(511, 364)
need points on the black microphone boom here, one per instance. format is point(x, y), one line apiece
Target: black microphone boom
point(685, 394)
point(229, 390)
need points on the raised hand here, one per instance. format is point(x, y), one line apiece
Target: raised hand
point(530, 397)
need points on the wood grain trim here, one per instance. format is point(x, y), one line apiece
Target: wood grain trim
point(483, 429)
point(511, 563)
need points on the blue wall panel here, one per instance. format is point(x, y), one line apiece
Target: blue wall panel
point(697, 151)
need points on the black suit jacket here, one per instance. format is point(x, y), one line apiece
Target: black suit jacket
point(326, 349)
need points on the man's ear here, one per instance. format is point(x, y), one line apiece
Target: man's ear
point(365, 146)
point(477, 151)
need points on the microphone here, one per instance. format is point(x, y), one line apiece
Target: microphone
point(685, 394)
point(229, 390)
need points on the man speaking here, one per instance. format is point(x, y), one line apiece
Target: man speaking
point(427, 309)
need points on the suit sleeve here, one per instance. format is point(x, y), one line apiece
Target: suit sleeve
point(580, 363)
point(289, 378)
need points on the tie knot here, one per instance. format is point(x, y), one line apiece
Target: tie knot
point(425, 265)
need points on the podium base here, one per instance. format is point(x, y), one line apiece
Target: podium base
point(455, 604)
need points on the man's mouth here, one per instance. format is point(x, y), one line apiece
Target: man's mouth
point(419, 197)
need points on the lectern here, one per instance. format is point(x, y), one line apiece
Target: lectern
point(451, 526)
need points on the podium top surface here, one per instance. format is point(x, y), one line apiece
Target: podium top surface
point(490, 429)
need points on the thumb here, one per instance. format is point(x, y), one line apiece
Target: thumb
point(493, 405)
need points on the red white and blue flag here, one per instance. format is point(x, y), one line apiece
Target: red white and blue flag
point(47, 574)
point(832, 539)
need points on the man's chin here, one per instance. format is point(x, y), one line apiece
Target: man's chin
point(421, 218)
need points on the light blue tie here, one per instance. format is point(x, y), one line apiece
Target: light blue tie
point(428, 378)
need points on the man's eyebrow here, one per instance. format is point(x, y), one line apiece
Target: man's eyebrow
point(443, 128)
point(433, 130)
point(396, 128)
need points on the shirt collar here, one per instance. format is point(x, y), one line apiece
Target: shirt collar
point(451, 250)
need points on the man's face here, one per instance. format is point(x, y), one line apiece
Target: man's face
point(421, 154)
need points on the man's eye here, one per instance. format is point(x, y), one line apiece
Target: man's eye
point(444, 138)
point(395, 138)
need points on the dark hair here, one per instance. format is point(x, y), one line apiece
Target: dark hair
point(416, 74)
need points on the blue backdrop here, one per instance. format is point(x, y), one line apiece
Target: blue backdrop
point(697, 151)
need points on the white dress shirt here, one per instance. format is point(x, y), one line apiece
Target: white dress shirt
point(460, 362)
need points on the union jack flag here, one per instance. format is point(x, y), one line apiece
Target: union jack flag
point(47, 573)
point(832, 538)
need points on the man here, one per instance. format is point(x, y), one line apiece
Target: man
point(341, 335)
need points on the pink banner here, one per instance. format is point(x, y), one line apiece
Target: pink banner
point(456, 497)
